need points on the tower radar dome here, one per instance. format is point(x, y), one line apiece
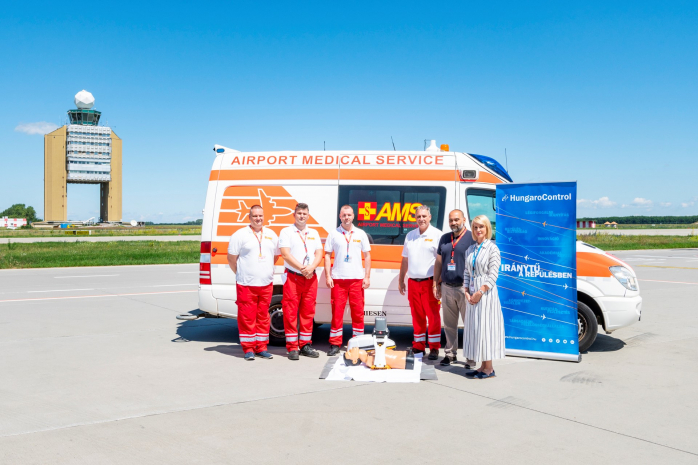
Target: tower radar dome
point(84, 100)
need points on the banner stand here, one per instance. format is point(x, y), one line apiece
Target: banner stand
point(544, 355)
point(536, 233)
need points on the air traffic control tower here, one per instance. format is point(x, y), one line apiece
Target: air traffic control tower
point(82, 152)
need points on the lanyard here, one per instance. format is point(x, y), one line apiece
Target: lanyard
point(475, 258)
point(454, 244)
point(303, 240)
point(259, 239)
point(348, 240)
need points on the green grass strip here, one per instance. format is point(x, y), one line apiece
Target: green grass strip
point(95, 231)
point(64, 254)
point(618, 242)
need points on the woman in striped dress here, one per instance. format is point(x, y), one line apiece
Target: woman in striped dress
point(483, 334)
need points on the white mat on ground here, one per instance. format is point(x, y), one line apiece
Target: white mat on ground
point(342, 372)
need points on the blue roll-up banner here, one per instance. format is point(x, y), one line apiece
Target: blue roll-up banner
point(536, 233)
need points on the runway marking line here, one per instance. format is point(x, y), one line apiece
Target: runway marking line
point(660, 266)
point(172, 285)
point(95, 296)
point(673, 282)
point(90, 276)
point(61, 290)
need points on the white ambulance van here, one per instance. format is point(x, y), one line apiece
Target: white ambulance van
point(384, 188)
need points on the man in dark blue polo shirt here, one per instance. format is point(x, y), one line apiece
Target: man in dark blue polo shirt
point(448, 280)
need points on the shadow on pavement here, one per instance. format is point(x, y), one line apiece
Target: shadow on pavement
point(604, 343)
point(457, 368)
point(224, 331)
point(207, 330)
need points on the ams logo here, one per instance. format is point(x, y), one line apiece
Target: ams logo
point(277, 203)
point(396, 211)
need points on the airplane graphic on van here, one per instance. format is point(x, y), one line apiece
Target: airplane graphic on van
point(271, 209)
point(276, 201)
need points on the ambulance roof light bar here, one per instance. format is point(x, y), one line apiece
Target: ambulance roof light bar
point(492, 164)
point(220, 149)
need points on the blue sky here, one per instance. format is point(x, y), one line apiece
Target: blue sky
point(599, 92)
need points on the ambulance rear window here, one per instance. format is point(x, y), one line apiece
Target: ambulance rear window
point(386, 213)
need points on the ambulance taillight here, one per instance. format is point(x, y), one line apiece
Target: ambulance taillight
point(205, 263)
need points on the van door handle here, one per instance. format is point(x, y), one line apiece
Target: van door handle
point(215, 250)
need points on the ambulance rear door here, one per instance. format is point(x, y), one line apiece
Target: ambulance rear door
point(277, 181)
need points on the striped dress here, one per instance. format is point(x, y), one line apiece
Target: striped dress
point(483, 333)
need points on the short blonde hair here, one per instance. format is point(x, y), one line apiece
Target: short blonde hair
point(482, 219)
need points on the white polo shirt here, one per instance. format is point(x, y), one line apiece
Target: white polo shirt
point(254, 270)
point(420, 250)
point(355, 242)
point(294, 239)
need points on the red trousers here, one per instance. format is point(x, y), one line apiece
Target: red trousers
point(299, 304)
point(424, 306)
point(253, 316)
point(351, 289)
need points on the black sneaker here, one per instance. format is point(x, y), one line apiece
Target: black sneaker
point(308, 351)
point(447, 361)
point(433, 354)
point(293, 355)
point(334, 350)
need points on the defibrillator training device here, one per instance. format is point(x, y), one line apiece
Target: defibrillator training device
point(376, 350)
point(380, 334)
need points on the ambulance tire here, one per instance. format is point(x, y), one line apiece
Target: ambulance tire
point(277, 336)
point(588, 326)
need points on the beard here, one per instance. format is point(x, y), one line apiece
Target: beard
point(457, 229)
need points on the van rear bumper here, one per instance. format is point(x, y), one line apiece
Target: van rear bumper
point(620, 312)
point(207, 303)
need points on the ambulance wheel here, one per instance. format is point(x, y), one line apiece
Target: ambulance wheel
point(277, 337)
point(588, 326)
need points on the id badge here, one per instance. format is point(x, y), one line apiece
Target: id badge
point(451, 267)
point(306, 260)
point(261, 258)
point(472, 286)
point(347, 259)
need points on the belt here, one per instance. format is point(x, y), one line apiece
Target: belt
point(419, 280)
point(452, 284)
point(294, 272)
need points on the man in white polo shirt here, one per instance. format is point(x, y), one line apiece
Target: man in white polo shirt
point(252, 252)
point(348, 278)
point(418, 258)
point(302, 251)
